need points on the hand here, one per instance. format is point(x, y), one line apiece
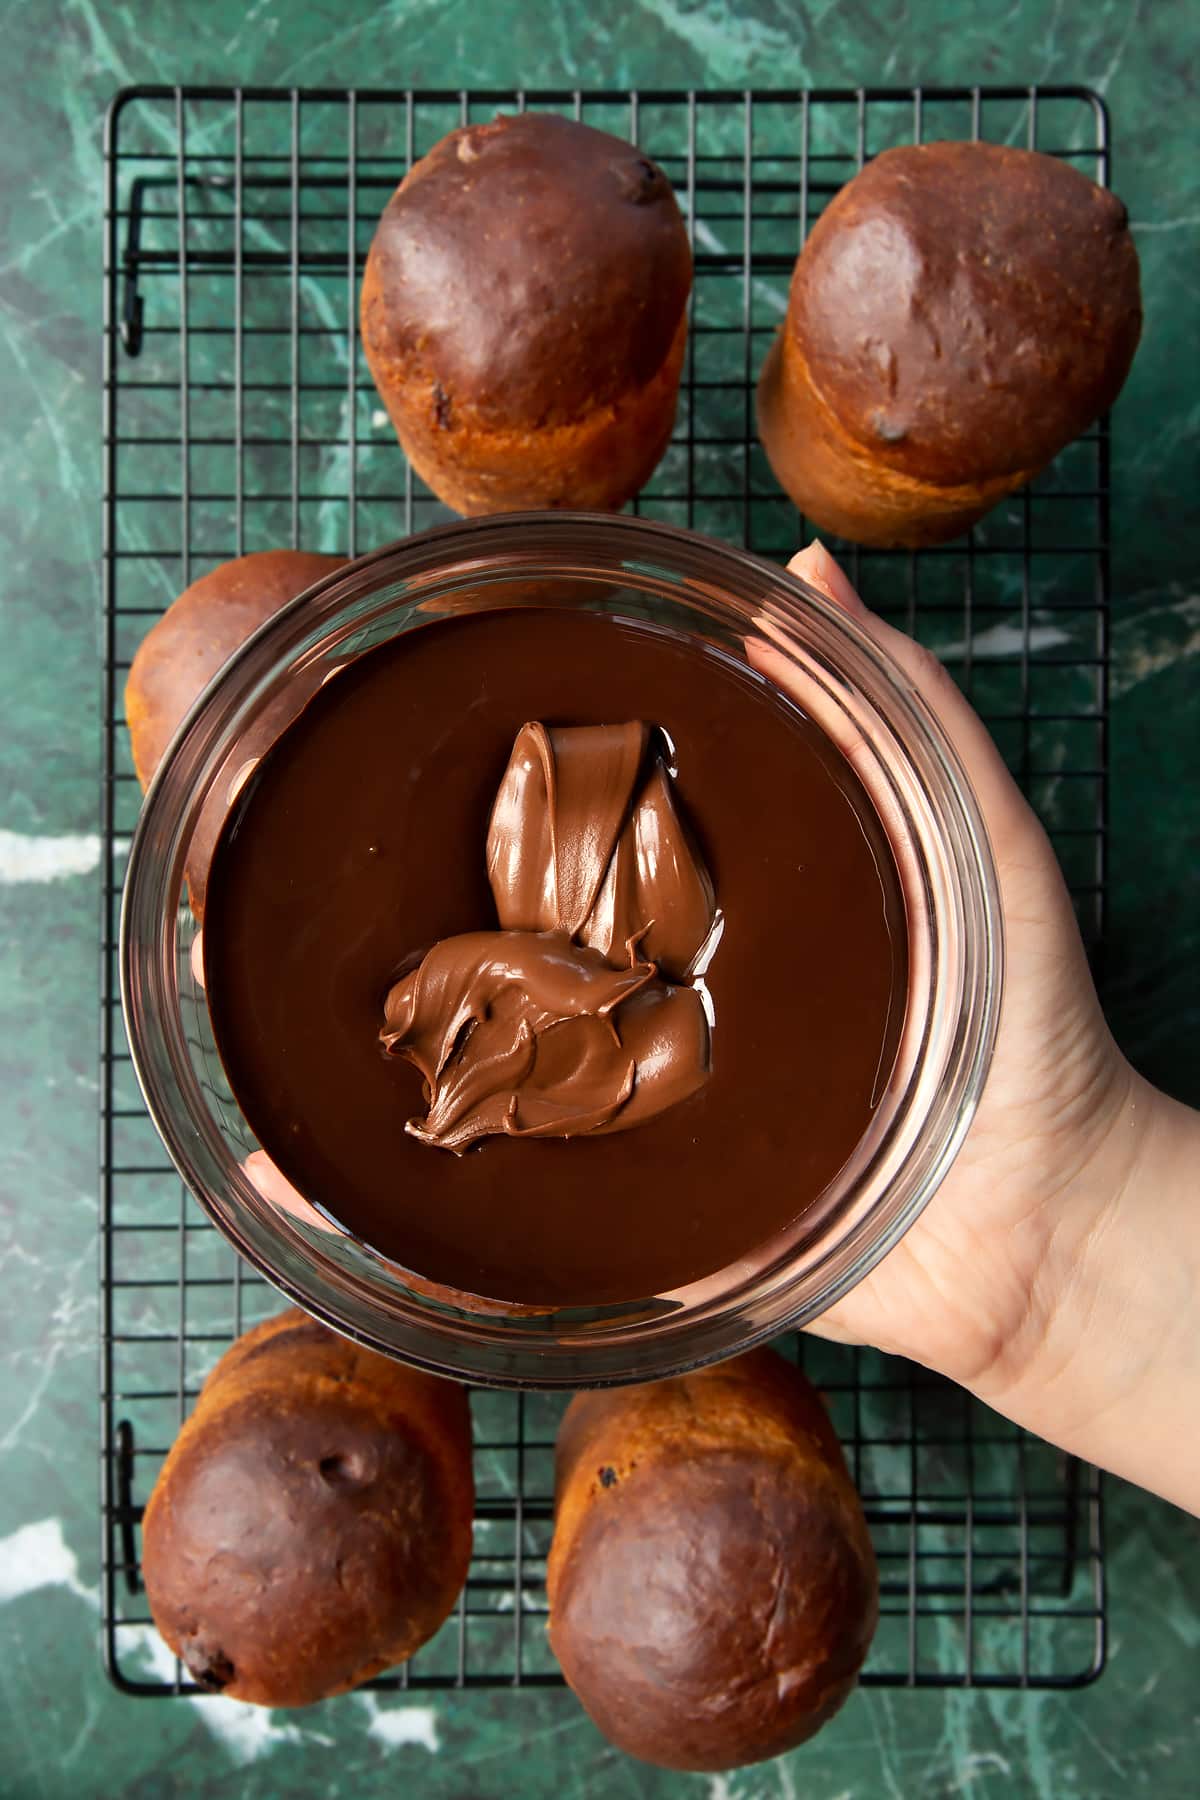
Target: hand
point(1058, 1266)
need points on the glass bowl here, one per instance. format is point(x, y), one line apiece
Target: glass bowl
point(865, 705)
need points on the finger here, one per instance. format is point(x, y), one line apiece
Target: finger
point(822, 571)
point(1003, 804)
point(810, 691)
point(275, 1187)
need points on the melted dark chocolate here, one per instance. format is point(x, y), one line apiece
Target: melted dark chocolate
point(363, 831)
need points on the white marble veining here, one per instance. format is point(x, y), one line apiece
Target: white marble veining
point(24, 857)
point(37, 1556)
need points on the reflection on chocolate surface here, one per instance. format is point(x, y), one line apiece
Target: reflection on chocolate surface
point(361, 838)
point(562, 1022)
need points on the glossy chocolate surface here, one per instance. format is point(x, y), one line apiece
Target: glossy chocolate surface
point(359, 844)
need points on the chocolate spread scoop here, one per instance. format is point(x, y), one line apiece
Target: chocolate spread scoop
point(584, 1012)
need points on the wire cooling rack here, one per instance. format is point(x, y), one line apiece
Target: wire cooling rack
point(239, 415)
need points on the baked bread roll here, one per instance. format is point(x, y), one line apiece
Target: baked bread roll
point(712, 1585)
point(181, 653)
point(524, 310)
point(959, 313)
point(312, 1523)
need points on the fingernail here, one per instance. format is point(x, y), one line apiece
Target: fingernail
point(815, 564)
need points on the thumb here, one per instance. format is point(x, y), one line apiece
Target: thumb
point(1004, 806)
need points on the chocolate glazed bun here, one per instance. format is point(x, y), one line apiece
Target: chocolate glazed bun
point(312, 1523)
point(959, 313)
point(181, 653)
point(713, 1590)
point(524, 310)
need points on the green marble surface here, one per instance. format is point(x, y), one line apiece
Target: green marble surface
point(62, 1729)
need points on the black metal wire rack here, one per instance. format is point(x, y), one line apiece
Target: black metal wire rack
point(239, 415)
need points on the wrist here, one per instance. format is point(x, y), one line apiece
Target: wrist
point(1107, 1363)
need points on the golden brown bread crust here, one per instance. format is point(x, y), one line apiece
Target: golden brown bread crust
point(200, 631)
point(312, 1522)
point(181, 653)
point(712, 1585)
point(959, 313)
point(524, 315)
point(838, 485)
